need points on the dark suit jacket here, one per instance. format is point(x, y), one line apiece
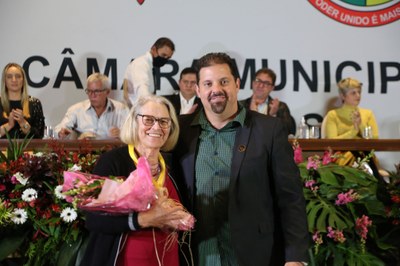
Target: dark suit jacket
point(283, 113)
point(263, 176)
point(176, 102)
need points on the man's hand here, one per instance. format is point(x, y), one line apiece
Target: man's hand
point(273, 107)
point(114, 132)
point(64, 132)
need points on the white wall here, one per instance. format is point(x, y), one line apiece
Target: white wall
point(290, 31)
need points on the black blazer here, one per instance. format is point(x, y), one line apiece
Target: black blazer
point(176, 102)
point(264, 176)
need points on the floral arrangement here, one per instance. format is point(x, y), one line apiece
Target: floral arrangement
point(346, 217)
point(114, 195)
point(37, 225)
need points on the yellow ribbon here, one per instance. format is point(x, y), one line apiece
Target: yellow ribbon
point(159, 182)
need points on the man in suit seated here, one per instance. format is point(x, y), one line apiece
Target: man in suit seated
point(186, 101)
point(262, 102)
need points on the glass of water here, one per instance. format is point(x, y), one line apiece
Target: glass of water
point(48, 132)
point(367, 132)
point(315, 132)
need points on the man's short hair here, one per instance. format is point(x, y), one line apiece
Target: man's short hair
point(211, 59)
point(188, 70)
point(164, 41)
point(267, 71)
point(99, 77)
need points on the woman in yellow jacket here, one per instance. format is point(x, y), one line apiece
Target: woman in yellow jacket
point(349, 121)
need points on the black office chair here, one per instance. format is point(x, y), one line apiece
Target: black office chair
point(311, 117)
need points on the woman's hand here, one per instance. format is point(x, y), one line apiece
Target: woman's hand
point(162, 214)
point(18, 116)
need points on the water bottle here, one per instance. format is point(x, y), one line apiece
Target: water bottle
point(303, 132)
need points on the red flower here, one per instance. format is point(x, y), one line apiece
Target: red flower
point(362, 225)
point(344, 198)
point(396, 198)
point(21, 204)
point(327, 158)
point(32, 203)
point(2, 187)
point(298, 155)
point(55, 208)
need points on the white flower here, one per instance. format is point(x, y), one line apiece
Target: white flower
point(20, 177)
point(68, 215)
point(39, 154)
point(19, 216)
point(75, 167)
point(58, 192)
point(29, 194)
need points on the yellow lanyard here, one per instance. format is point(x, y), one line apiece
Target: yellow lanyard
point(159, 182)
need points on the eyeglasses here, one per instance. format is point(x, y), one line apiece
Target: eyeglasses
point(149, 120)
point(95, 92)
point(264, 83)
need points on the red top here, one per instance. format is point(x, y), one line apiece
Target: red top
point(139, 248)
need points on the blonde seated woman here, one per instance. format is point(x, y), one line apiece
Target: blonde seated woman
point(349, 121)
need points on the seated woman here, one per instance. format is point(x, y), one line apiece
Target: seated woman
point(139, 238)
point(349, 121)
point(21, 114)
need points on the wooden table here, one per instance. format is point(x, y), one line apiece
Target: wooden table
point(306, 144)
point(349, 144)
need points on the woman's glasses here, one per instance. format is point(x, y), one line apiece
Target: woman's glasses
point(149, 120)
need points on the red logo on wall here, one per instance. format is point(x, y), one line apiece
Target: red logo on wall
point(140, 1)
point(360, 13)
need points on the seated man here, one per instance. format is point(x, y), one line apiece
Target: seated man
point(186, 101)
point(262, 102)
point(98, 117)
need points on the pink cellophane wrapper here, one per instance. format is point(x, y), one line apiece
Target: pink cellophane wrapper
point(134, 194)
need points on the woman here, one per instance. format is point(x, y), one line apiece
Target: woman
point(136, 239)
point(349, 121)
point(21, 114)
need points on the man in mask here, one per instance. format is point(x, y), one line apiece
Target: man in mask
point(139, 75)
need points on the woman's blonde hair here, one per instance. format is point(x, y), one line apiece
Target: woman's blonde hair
point(129, 132)
point(347, 84)
point(24, 93)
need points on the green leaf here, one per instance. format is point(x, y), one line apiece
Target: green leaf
point(327, 176)
point(68, 253)
point(15, 148)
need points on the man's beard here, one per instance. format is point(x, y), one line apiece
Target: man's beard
point(218, 107)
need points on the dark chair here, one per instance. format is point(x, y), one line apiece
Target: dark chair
point(313, 116)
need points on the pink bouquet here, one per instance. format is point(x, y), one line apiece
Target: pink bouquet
point(116, 195)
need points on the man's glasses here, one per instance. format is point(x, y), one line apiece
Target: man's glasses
point(149, 120)
point(95, 92)
point(264, 83)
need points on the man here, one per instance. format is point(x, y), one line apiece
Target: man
point(262, 102)
point(98, 117)
point(139, 77)
point(186, 101)
point(240, 176)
